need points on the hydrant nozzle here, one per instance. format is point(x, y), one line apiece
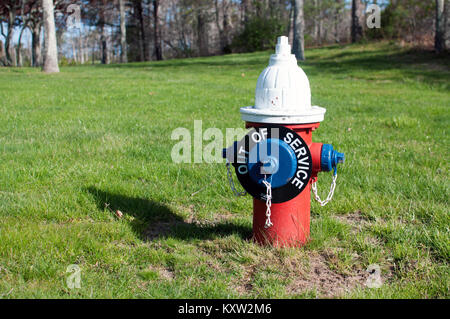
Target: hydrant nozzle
point(330, 158)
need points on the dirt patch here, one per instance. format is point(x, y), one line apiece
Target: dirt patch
point(215, 219)
point(245, 283)
point(304, 272)
point(153, 273)
point(356, 220)
point(165, 273)
point(322, 279)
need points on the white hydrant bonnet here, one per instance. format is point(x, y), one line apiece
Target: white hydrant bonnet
point(283, 95)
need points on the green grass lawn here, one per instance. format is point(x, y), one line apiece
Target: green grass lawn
point(90, 135)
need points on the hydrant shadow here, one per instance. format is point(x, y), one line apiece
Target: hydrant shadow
point(152, 220)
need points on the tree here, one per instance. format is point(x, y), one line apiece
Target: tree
point(446, 32)
point(145, 56)
point(35, 24)
point(202, 31)
point(23, 26)
point(30, 17)
point(19, 46)
point(411, 21)
point(442, 34)
point(2, 54)
point(103, 33)
point(99, 14)
point(223, 29)
point(51, 49)
point(156, 31)
point(8, 13)
point(140, 30)
point(318, 21)
point(245, 10)
point(356, 28)
point(123, 33)
point(339, 7)
point(299, 28)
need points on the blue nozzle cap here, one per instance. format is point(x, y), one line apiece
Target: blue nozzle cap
point(340, 157)
point(330, 158)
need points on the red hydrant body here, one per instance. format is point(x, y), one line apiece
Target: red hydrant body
point(291, 219)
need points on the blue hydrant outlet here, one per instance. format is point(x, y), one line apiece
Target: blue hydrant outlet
point(330, 158)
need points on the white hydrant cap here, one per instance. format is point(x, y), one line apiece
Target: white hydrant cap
point(283, 95)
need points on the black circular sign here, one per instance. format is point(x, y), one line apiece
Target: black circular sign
point(302, 162)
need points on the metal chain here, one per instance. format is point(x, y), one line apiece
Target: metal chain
point(330, 194)
point(230, 180)
point(268, 202)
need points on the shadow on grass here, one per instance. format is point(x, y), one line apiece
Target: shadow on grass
point(347, 60)
point(419, 65)
point(153, 220)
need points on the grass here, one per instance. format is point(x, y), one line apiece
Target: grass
point(71, 142)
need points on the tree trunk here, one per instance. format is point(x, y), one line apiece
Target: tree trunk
point(103, 35)
point(156, 31)
point(217, 14)
point(446, 30)
point(144, 45)
point(51, 49)
point(319, 30)
point(93, 48)
point(298, 46)
point(74, 50)
point(36, 55)
point(356, 25)
point(226, 26)
point(337, 16)
point(2, 54)
point(440, 26)
point(19, 47)
point(318, 22)
point(104, 44)
point(9, 47)
point(245, 10)
point(223, 30)
point(86, 49)
point(290, 21)
point(202, 33)
point(81, 48)
point(123, 33)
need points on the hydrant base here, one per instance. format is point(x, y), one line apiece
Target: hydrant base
point(291, 222)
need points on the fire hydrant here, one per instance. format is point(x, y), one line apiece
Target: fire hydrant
point(276, 162)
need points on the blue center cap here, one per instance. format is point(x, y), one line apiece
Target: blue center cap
point(265, 158)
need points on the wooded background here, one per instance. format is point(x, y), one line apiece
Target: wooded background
point(93, 31)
